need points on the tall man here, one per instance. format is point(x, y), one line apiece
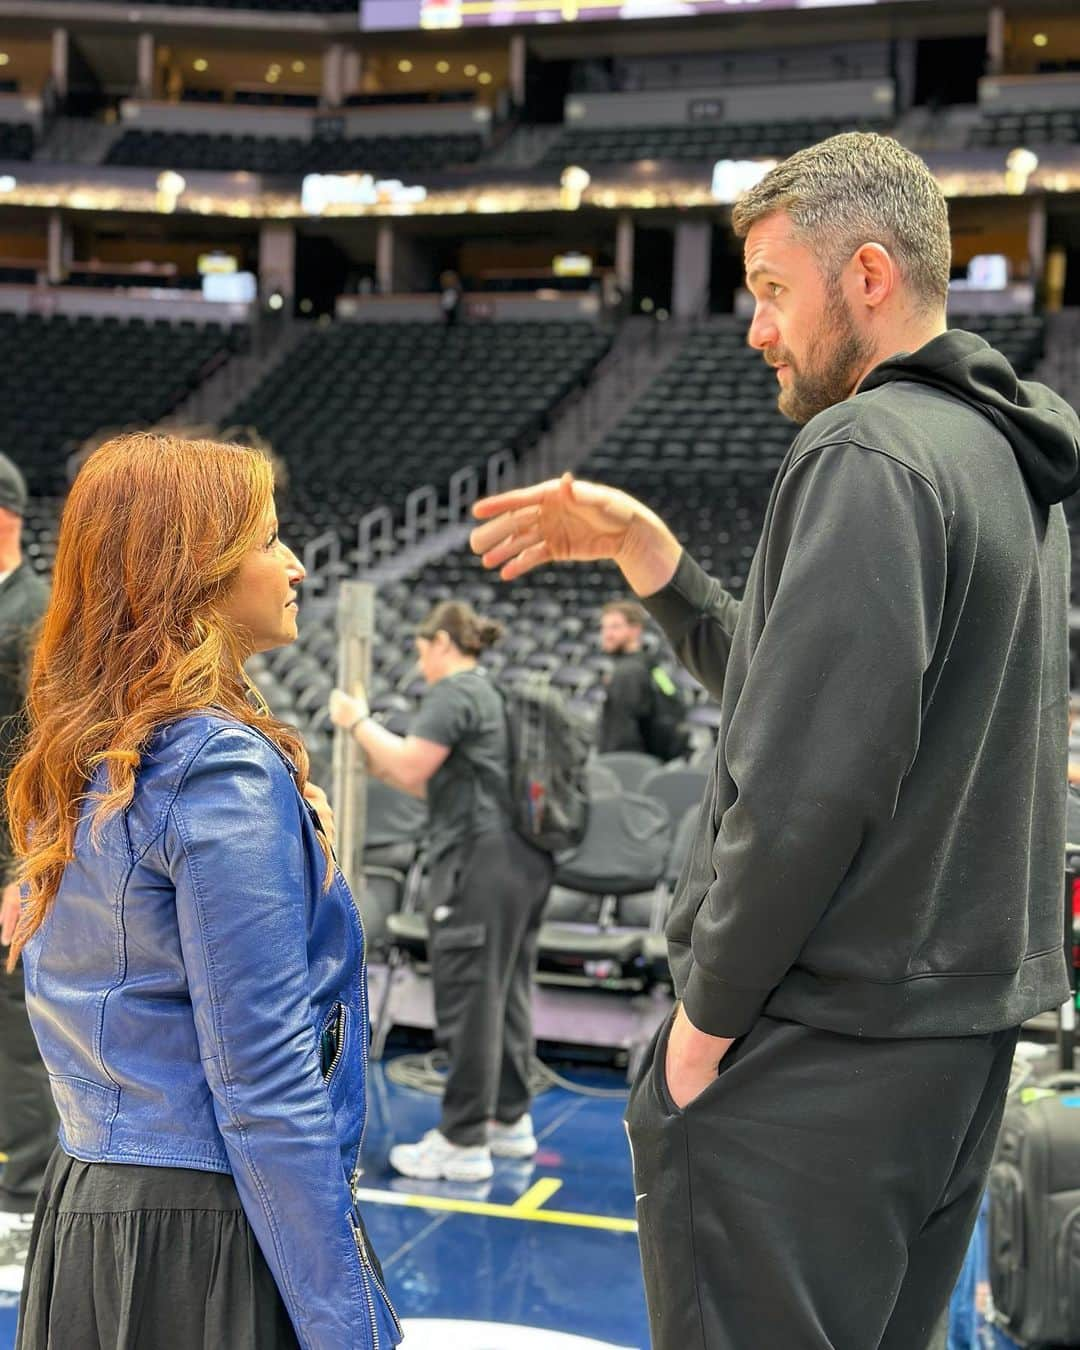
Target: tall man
point(873, 904)
point(27, 1116)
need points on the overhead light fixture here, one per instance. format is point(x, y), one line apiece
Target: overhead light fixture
point(470, 70)
point(4, 58)
point(404, 67)
point(443, 67)
point(484, 77)
point(200, 64)
point(272, 76)
point(298, 67)
point(1040, 40)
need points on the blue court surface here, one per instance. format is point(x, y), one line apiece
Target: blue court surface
point(543, 1257)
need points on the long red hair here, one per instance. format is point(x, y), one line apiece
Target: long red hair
point(151, 539)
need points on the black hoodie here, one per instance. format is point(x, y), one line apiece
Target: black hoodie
point(881, 847)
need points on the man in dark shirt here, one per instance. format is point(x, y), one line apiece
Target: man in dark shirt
point(627, 707)
point(873, 902)
point(27, 1116)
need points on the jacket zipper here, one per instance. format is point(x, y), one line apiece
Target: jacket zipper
point(366, 1266)
point(369, 1267)
point(354, 1180)
point(341, 1017)
point(365, 1041)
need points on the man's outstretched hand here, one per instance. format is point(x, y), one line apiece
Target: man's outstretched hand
point(564, 520)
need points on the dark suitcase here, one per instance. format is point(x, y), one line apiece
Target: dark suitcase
point(1034, 1239)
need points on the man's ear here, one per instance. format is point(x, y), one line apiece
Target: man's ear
point(876, 274)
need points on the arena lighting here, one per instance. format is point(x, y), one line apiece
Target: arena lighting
point(443, 67)
point(732, 177)
point(319, 191)
point(200, 64)
point(573, 182)
point(298, 67)
point(572, 265)
point(276, 301)
point(1040, 39)
point(404, 67)
point(1020, 164)
point(7, 183)
point(4, 58)
point(216, 264)
point(471, 70)
point(484, 77)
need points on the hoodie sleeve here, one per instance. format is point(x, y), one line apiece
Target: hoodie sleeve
point(827, 723)
point(699, 617)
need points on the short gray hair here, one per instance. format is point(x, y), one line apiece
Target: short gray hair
point(854, 189)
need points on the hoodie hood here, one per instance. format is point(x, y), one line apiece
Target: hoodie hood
point(1043, 430)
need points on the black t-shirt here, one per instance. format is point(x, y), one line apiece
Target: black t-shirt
point(469, 793)
point(628, 706)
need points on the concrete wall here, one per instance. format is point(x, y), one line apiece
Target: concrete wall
point(736, 103)
point(240, 120)
point(1014, 93)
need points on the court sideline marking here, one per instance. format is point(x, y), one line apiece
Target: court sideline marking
point(527, 1208)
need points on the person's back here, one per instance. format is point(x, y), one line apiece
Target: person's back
point(469, 794)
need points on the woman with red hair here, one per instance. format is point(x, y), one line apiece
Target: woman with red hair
point(193, 959)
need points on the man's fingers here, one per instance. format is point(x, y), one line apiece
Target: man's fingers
point(486, 537)
point(536, 556)
point(513, 500)
point(511, 547)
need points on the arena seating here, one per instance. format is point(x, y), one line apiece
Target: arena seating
point(65, 379)
point(362, 413)
point(1042, 126)
point(16, 140)
point(292, 156)
point(694, 141)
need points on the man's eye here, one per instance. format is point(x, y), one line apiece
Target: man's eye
point(272, 540)
point(775, 288)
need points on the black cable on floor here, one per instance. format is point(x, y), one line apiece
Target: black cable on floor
point(427, 1073)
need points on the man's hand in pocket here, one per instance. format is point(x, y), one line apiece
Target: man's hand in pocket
point(693, 1058)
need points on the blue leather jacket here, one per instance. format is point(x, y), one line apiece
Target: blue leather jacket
point(201, 1002)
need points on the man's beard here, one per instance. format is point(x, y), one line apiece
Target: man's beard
point(835, 356)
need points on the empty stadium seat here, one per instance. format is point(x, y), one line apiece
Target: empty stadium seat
point(64, 379)
point(290, 155)
point(694, 141)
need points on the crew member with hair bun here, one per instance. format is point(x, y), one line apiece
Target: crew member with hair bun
point(486, 892)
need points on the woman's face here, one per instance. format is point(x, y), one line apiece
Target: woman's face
point(431, 656)
point(262, 602)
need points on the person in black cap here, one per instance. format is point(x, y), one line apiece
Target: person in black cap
point(27, 1116)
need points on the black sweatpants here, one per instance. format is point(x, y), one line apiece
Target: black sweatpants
point(28, 1121)
point(819, 1194)
point(484, 904)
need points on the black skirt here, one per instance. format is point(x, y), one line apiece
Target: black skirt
point(146, 1258)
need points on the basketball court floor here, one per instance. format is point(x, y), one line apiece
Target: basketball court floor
point(543, 1257)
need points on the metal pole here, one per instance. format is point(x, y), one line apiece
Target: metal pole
point(356, 628)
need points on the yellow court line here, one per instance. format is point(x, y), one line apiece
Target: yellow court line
point(451, 1205)
point(538, 1194)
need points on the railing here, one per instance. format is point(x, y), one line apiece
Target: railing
point(374, 536)
point(421, 514)
point(464, 490)
point(325, 575)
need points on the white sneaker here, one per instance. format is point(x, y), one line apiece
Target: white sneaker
point(512, 1141)
point(435, 1158)
point(15, 1230)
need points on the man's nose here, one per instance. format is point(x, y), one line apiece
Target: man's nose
point(763, 332)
